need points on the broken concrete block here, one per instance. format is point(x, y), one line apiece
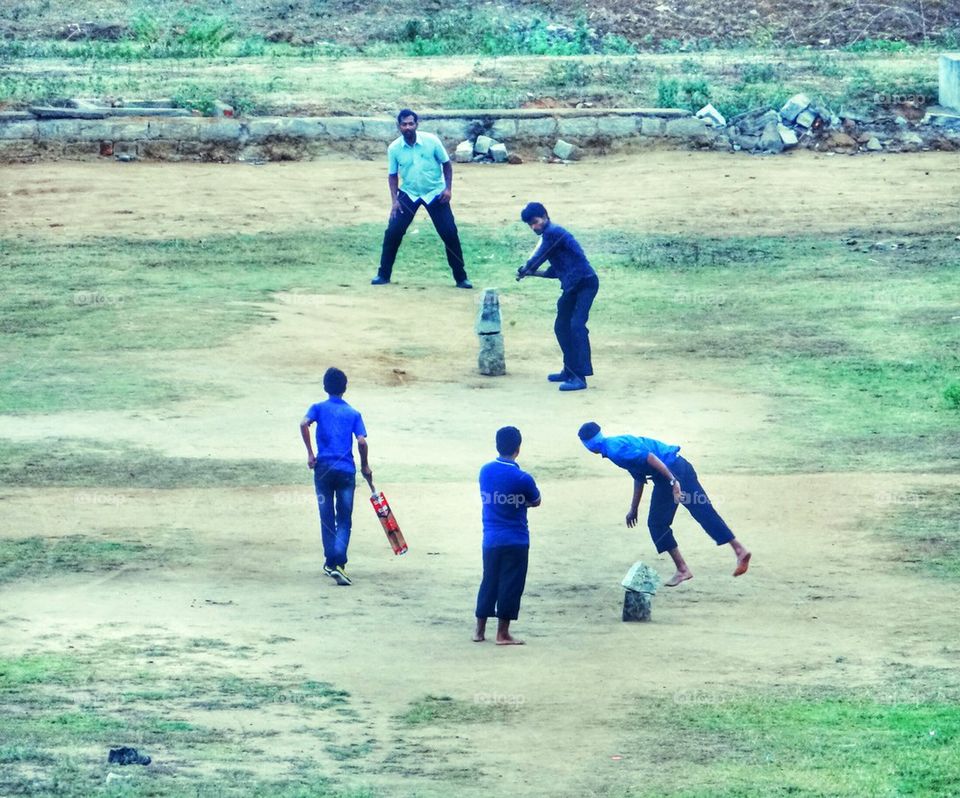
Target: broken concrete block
point(464, 152)
point(483, 144)
point(806, 119)
point(949, 91)
point(566, 151)
point(794, 106)
point(499, 152)
point(787, 136)
point(770, 140)
point(711, 115)
point(641, 578)
point(873, 144)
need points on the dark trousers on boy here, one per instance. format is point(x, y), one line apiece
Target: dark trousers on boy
point(335, 491)
point(695, 499)
point(504, 576)
point(573, 311)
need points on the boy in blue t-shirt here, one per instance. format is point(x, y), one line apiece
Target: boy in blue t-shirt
point(675, 482)
point(334, 473)
point(506, 491)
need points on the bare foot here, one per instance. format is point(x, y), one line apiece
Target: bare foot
point(478, 637)
point(743, 562)
point(677, 578)
point(509, 641)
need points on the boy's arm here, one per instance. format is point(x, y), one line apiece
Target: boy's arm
point(305, 434)
point(548, 243)
point(364, 448)
point(657, 465)
point(635, 502)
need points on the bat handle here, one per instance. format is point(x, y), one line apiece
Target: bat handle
point(373, 490)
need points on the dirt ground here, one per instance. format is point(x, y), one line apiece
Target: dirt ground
point(658, 192)
point(825, 602)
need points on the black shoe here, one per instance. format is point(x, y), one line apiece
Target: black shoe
point(574, 384)
point(328, 570)
point(464, 284)
point(378, 280)
point(560, 376)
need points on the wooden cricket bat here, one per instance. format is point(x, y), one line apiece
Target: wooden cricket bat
point(387, 519)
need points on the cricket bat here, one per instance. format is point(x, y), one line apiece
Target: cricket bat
point(387, 520)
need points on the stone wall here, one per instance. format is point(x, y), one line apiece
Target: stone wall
point(26, 137)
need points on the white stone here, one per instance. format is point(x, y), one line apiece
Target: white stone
point(499, 152)
point(712, 115)
point(787, 136)
point(873, 144)
point(794, 106)
point(483, 144)
point(806, 119)
point(565, 151)
point(464, 152)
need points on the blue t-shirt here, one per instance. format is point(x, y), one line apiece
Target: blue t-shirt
point(420, 167)
point(505, 491)
point(630, 452)
point(337, 424)
point(567, 260)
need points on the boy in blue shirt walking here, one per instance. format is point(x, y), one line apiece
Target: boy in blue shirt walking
point(674, 482)
point(334, 472)
point(505, 491)
point(579, 283)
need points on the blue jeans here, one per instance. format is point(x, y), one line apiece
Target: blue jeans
point(335, 501)
point(695, 499)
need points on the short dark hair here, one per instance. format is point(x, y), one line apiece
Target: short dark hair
point(334, 381)
point(589, 430)
point(405, 113)
point(508, 440)
point(533, 209)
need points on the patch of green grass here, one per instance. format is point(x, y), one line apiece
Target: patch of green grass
point(445, 710)
point(806, 747)
point(17, 673)
point(97, 464)
point(37, 558)
point(853, 345)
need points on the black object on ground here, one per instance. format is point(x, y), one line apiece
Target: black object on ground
point(127, 756)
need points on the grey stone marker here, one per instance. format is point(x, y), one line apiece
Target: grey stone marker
point(566, 151)
point(491, 362)
point(949, 95)
point(641, 583)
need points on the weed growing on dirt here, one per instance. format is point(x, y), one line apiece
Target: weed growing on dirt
point(77, 463)
point(440, 710)
point(36, 557)
point(924, 525)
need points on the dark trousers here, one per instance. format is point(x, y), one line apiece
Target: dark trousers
point(441, 215)
point(695, 499)
point(335, 501)
point(573, 310)
point(504, 575)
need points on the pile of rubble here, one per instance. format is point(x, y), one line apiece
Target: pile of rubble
point(801, 122)
point(484, 148)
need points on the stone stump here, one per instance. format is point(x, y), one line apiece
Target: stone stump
point(641, 582)
point(492, 361)
point(637, 606)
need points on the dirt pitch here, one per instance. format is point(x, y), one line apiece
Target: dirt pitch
point(816, 607)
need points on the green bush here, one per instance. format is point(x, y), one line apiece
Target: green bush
point(952, 395)
point(668, 92)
